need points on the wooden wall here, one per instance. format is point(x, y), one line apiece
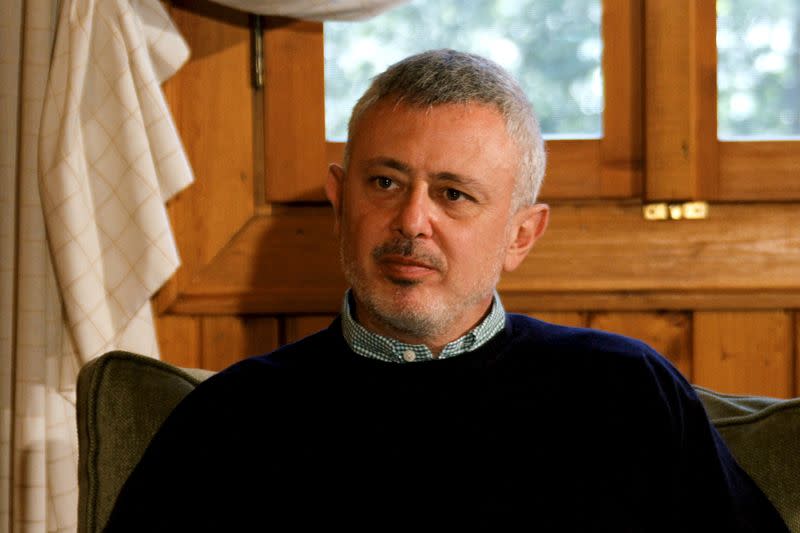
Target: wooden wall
point(717, 296)
point(752, 352)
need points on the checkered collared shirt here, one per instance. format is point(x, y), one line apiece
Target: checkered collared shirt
point(376, 346)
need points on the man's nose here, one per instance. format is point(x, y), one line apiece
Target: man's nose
point(414, 215)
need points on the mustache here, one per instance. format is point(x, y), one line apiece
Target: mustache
point(407, 248)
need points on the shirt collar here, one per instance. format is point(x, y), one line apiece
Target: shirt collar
point(376, 346)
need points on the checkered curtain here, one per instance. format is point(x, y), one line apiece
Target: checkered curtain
point(109, 158)
point(88, 157)
point(315, 9)
point(83, 250)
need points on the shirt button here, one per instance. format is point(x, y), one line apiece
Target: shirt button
point(409, 356)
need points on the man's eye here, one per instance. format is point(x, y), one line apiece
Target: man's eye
point(383, 182)
point(454, 195)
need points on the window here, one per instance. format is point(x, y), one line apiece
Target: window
point(758, 72)
point(552, 47)
point(654, 135)
point(596, 147)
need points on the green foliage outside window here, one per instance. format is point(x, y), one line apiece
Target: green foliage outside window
point(552, 46)
point(758, 75)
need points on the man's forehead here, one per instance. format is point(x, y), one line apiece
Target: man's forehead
point(394, 104)
point(464, 144)
point(400, 117)
point(404, 168)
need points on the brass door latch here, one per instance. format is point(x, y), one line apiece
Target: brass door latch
point(666, 211)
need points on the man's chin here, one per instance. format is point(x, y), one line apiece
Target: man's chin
point(409, 322)
point(407, 293)
point(404, 282)
point(407, 308)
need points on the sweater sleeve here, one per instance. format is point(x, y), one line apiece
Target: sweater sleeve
point(714, 492)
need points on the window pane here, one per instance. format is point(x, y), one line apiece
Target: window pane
point(758, 73)
point(552, 46)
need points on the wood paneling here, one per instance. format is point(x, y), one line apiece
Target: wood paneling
point(763, 170)
point(179, 340)
point(744, 352)
point(609, 248)
point(597, 258)
point(624, 300)
point(298, 327)
point(668, 333)
point(573, 170)
point(228, 339)
point(796, 326)
point(287, 262)
point(564, 318)
point(211, 100)
point(294, 107)
point(680, 107)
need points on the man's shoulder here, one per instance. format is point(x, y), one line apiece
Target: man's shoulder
point(309, 355)
point(620, 376)
point(587, 351)
point(545, 335)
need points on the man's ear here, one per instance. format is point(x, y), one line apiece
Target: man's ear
point(528, 225)
point(333, 190)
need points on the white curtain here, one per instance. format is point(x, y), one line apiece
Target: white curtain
point(43, 324)
point(36, 357)
point(109, 157)
point(88, 156)
point(315, 9)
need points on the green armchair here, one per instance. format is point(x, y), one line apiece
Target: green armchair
point(124, 398)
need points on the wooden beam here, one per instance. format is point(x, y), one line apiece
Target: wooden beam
point(680, 108)
point(759, 170)
point(531, 301)
point(610, 247)
point(594, 256)
point(622, 145)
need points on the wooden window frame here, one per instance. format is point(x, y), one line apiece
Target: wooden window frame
point(609, 167)
point(685, 159)
point(248, 247)
point(659, 71)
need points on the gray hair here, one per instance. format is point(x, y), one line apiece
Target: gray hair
point(447, 76)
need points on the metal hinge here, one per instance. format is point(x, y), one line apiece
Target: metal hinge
point(257, 53)
point(665, 211)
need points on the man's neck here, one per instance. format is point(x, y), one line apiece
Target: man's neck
point(434, 342)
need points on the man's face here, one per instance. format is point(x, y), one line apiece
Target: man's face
point(424, 217)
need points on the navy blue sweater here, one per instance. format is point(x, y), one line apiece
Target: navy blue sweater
point(544, 427)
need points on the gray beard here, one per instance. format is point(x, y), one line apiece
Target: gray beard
point(406, 321)
point(411, 322)
point(429, 321)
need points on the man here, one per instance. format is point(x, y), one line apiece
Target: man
point(424, 404)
